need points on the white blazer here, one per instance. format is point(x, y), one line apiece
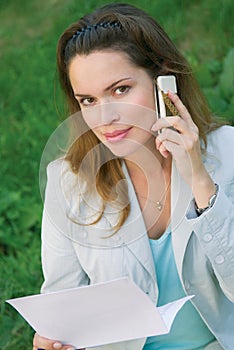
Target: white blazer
point(74, 255)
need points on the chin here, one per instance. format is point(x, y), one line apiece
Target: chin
point(123, 149)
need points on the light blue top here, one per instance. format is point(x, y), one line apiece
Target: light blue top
point(188, 330)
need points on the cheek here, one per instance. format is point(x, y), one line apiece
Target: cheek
point(91, 117)
point(145, 98)
point(143, 114)
point(145, 104)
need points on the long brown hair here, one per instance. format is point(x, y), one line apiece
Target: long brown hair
point(124, 28)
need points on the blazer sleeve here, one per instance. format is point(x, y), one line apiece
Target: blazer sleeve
point(215, 227)
point(215, 230)
point(60, 263)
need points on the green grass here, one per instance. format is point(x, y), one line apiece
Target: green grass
point(30, 111)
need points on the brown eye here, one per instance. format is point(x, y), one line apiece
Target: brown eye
point(87, 101)
point(121, 90)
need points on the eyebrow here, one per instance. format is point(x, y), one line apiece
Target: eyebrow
point(107, 88)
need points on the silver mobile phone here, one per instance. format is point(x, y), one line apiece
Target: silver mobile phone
point(164, 106)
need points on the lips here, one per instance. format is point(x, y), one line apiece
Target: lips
point(117, 135)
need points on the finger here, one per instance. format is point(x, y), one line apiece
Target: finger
point(162, 149)
point(164, 152)
point(177, 123)
point(169, 135)
point(170, 139)
point(183, 112)
point(47, 344)
point(171, 148)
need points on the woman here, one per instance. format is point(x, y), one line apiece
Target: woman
point(162, 210)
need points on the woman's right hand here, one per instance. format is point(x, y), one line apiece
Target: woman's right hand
point(48, 344)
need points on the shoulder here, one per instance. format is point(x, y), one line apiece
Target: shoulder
point(60, 171)
point(221, 137)
point(58, 166)
point(60, 177)
point(219, 153)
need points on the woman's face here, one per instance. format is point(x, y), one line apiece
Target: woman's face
point(116, 99)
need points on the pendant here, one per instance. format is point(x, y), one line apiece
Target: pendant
point(159, 205)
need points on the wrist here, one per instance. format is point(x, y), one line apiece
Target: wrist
point(210, 203)
point(203, 187)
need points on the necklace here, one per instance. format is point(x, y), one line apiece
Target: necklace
point(157, 203)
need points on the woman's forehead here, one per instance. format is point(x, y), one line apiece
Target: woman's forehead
point(101, 67)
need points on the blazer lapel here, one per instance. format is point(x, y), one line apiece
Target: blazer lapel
point(181, 197)
point(134, 231)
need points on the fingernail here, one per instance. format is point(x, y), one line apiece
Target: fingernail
point(71, 349)
point(153, 128)
point(57, 345)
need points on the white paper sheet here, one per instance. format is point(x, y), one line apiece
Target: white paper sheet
point(98, 314)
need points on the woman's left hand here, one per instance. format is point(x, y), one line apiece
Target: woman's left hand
point(179, 136)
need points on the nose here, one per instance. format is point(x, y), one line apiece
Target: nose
point(109, 112)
